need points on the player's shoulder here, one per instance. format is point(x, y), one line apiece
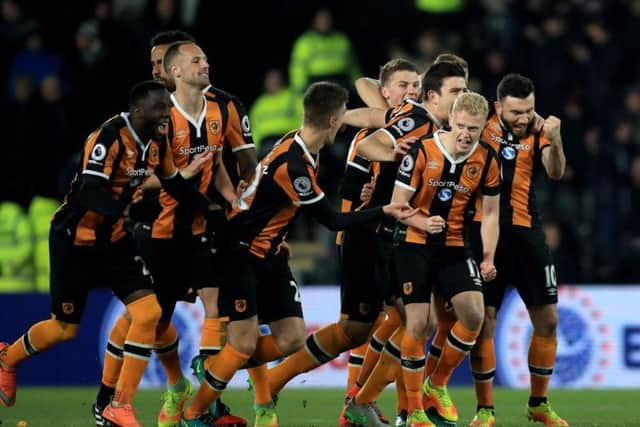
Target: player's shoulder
point(110, 129)
point(216, 94)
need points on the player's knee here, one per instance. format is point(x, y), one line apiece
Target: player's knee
point(147, 315)
point(244, 341)
point(358, 332)
point(472, 319)
point(418, 327)
point(291, 342)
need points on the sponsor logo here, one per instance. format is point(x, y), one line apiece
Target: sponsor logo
point(200, 149)
point(138, 172)
point(448, 184)
point(508, 153)
point(584, 341)
point(445, 194)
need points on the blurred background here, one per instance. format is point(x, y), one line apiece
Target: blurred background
point(67, 66)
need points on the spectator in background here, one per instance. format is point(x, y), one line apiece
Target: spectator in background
point(274, 113)
point(14, 28)
point(627, 270)
point(34, 61)
point(322, 53)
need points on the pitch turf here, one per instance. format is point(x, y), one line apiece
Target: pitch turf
point(70, 407)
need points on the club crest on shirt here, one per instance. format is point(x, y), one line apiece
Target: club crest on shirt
point(472, 171)
point(214, 126)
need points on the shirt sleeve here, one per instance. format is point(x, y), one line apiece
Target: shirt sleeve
point(100, 151)
point(238, 132)
point(299, 182)
point(491, 184)
point(411, 168)
point(409, 122)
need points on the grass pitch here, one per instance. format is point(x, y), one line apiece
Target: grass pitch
point(71, 407)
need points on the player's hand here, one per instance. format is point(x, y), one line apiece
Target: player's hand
point(488, 271)
point(367, 190)
point(284, 247)
point(436, 224)
point(551, 128)
point(241, 187)
point(537, 123)
point(399, 210)
point(403, 147)
point(196, 165)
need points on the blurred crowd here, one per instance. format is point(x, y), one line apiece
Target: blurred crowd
point(68, 66)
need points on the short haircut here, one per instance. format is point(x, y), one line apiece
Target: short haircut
point(396, 64)
point(436, 73)
point(322, 100)
point(172, 36)
point(141, 90)
point(515, 85)
point(170, 55)
point(472, 103)
point(454, 59)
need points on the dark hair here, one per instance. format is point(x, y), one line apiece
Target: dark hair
point(172, 52)
point(141, 90)
point(172, 36)
point(396, 64)
point(515, 85)
point(436, 73)
point(454, 59)
point(321, 100)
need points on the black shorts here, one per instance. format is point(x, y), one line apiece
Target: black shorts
point(177, 265)
point(445, 271)
point(386, 275)
point(77, 269)
point(474, 240)
point(258, 286)
point(523, 261)
point(360, 296)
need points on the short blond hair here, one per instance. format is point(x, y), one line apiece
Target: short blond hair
point(472, 103)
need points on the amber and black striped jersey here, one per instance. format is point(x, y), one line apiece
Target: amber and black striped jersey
point(409, 119)
point(115, 153)
point(235, 127)
point(520, 161)
point(358, 172)
point(284, 180)
point(445, 186)
point(189, 137)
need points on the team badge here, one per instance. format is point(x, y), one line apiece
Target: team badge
point(214, 126)
point(407, 288)
point(67, 307)
point(241, 305)
point(472, 171)
point(246, 126)
point(406, 124)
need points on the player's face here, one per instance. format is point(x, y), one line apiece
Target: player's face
point(194, 67)
point(466, 130)
point(517, 113)
point(449, 91)
point(156, 110)
point(400, 86)
point(157, 66)
point(335, 122)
